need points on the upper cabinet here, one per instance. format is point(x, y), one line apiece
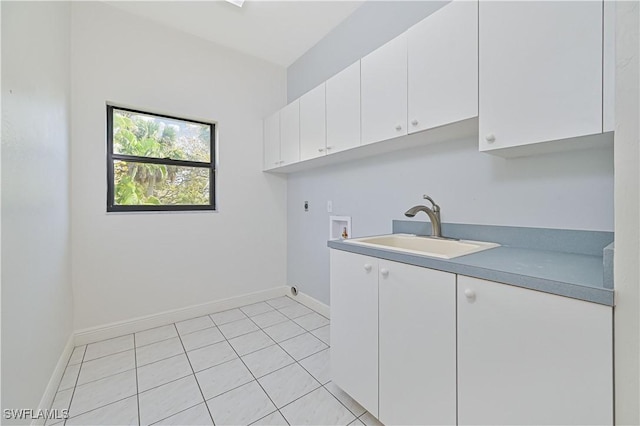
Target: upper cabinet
point(313, 129)
point(272, 141)
point(524, 77)
point(384, 91)
point(343, 109)
point(290, 133)
point(541, 72)
point(443, 67)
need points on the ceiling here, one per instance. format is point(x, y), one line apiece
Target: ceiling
point(277, 31)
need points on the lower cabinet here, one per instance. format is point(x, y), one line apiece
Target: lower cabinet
point(417, 335)
point(526, 357)
point(418, 346)
point(354, 326)
point(393, 331)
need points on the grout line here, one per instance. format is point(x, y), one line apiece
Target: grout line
point(274, 307)
point(306, 332)
point(312, 329)
point(104, 356)
point(242, 334)
point(205, 345)
point(79, 385)
point(159, 360)
point(271, 309)
point(324, 385)
point(60, 383)
point(277, 369)
point(309, 356)
point(101, 406)
point(135, 364)
point(181, 411)
point(145, 345)
point(264, 417)
point(213, 325)
point(249, 370)
point(300, 397)
point(342, 403)
point(76, 384)
point(285, 419)
point(228, 322)
point(272, 325)
point(166, 383)
point(194, 376)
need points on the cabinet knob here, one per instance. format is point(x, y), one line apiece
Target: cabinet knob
point(398, 127)
point(384, 272)
point(414, 122)
point(329, 148)
point(470, 294)
point(491, 138)
point(320, 149)
point(367, 267)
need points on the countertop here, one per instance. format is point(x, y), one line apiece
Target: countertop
point(575, 275)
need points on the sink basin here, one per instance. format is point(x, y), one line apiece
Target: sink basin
point(424, 246)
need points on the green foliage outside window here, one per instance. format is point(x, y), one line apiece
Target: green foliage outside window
point(142, 135)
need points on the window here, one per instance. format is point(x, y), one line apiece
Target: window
point(159, 163)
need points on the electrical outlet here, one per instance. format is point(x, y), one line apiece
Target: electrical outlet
point(329, 206)
point(306, 206)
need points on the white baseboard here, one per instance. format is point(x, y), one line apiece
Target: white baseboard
point(312, 303)
point(120, 328)
point(54, 381)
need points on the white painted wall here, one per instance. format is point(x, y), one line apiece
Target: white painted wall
point(367, 28)
point(130, 265)
point(572, 190)
point(36, 279)
point(627, 216)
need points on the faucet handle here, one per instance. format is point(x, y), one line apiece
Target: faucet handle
point(435, 207)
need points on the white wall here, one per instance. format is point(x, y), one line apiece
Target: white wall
point(130, 265)
point(572, 190)
point(627, 218)
point(367, 28)
point(36, 280)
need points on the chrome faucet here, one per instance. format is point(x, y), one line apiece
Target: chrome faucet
point(433, 213)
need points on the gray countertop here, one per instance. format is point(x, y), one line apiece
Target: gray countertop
point(576, 275)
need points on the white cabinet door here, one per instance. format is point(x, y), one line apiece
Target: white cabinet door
point(443, 67)
point(526, 357)
point(354, 326)
point(313, 130)
point(272, 141)
point(290, 133)
point(540, 71)
point(343, 109)
point(384, 91)
point(417, 345)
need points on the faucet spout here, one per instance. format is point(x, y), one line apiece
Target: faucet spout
point(434, 217)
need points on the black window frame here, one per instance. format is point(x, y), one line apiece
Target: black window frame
point(112, 157)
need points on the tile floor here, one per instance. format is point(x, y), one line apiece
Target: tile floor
point(265, 363)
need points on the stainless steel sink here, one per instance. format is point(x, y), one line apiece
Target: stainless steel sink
point(424, 246)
